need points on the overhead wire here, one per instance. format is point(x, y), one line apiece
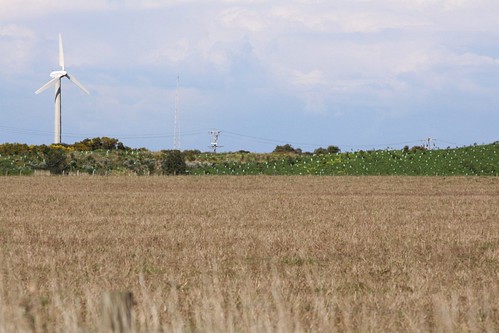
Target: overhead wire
point(275, 141)
point(196, 132)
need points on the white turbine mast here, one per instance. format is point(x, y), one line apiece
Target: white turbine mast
point(56, 80)
point(176, 133)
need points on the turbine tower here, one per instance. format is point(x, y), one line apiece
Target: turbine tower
point(176, 140)
point(56, 80)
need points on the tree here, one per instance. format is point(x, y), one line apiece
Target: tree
point(320, 151)
point(328, 150)
point(56, 160)
point(417, 149)
point(174, 163)
point(287, 148)
point(109, 143)
point(99, 143)
point(333, 149)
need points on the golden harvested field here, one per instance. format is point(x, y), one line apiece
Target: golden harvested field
point(251, 254)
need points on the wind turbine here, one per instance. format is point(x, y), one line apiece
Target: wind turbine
point(56, 80)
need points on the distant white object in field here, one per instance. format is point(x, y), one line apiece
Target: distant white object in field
point(56, 80)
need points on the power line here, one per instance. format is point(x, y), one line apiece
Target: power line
point(266, 140)
point(275, 141)
point(198, 132)
point(17, 130)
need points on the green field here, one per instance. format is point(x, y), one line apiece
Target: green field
point(475, 160)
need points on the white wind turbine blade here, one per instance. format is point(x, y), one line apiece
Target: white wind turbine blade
point(48, 84)
point(61, 52)
point(75, 81)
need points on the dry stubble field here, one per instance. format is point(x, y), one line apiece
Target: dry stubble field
point(251, 254)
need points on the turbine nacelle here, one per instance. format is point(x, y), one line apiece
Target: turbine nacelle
point(55, 74)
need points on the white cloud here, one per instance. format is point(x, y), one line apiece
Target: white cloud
point(312, 78)
point(436, 4)
point(332, 19)
point(174, 52)
point(16, 31)
point(16, 47)
point(471, 59)
point(248, 20)
point(14, 9)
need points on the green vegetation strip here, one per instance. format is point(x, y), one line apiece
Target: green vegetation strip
point(109, 157)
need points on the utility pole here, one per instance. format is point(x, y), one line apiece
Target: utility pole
point(429, 143)
point(214, 140)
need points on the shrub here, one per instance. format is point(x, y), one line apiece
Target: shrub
point(174, 163)
point(190, 155)
point(287, 148)
point(13, 148)
point(328, 150)
point(99, 143)
point(56, 160)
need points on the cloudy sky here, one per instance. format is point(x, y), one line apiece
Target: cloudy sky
point(358, 74)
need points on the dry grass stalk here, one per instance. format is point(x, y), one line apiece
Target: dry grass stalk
point(117, 312)
point(251, 254)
